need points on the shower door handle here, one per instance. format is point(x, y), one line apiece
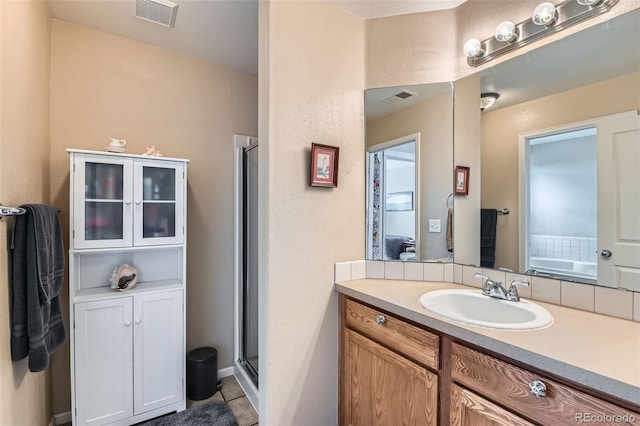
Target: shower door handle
point(606, 253)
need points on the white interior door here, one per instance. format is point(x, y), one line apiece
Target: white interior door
point(619, 202)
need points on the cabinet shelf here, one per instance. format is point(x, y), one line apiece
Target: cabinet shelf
point(105, 293)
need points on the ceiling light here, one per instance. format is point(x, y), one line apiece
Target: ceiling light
point(487, 99)
point(506, 31)
point(544, 14)
point(588, 2)
point(472, 48)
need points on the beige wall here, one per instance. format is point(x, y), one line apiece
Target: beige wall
point(25, 397)
point(312, 83)
point(433, 120)
point(500, 130)
point(106, 86)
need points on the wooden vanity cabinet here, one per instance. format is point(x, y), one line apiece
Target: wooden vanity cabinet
point(508, 385)
point(383, 370)
point(393, 372)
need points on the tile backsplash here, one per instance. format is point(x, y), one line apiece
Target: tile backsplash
point(586, 297)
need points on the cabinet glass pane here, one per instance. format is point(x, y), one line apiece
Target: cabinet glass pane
point(159, 220)
point(103, 220)
point(103, 181)
point(158, 183)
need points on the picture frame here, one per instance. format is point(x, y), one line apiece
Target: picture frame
point(461, 181)
point(399, 201)
point(324, 165)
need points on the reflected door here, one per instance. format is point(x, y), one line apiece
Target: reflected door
point(619, 202)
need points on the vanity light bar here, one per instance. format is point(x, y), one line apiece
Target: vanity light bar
point(568, 13)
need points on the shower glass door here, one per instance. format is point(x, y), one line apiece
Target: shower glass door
point(249, 339)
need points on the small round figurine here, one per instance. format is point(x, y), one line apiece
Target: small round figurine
point(124, 277)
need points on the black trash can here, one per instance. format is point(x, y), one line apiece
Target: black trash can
point(202, 373)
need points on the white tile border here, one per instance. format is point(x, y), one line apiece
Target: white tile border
point(547, 290)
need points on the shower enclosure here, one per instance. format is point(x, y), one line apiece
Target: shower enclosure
point(246, 319)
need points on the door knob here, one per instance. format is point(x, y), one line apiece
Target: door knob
point(605, 253)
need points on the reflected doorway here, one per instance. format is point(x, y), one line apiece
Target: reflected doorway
point(392, 198)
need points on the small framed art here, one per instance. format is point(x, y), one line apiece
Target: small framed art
point(324, 165)
point(461, 183)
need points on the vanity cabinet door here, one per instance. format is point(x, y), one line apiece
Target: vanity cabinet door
point(381, 387)
point(469, 409)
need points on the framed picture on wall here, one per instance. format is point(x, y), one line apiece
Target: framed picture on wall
point(461, 183)
point(399, 201)
point(324, 165)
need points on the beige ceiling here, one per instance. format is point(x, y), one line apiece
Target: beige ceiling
point(221, 31)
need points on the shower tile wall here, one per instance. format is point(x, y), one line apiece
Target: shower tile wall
point(580, 249)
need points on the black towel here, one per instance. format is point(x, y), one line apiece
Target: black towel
point(488, 222)
point(37, 327)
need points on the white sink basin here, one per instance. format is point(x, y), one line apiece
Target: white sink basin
point(474, 308)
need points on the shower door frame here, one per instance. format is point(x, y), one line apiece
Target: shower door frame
point(245, 379)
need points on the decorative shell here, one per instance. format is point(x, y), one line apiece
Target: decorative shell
point(124, 277)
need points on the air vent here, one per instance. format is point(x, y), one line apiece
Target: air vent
point(398, 97)
point(161, 12)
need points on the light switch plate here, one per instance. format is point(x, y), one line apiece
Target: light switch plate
point(435, 225)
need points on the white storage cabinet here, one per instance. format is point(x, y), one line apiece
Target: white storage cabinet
point(127, 348)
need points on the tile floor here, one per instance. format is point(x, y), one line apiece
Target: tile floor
point(233, 394)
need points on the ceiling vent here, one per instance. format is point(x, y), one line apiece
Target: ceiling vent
point(398, 97)
point(161, 12)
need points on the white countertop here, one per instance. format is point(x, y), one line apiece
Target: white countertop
point(594, 350)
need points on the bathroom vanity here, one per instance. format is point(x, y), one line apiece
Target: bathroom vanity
point(400, 364)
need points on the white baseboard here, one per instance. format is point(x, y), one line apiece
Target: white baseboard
point(60, 419)
point(225, 372)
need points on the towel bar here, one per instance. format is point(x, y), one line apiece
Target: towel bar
point(11, 211)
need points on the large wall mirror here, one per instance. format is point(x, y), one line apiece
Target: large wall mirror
point(559, 151)
point(409, 157)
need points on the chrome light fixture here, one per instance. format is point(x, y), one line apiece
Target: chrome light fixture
point(546, 19)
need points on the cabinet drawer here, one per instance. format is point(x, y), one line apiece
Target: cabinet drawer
point(414, 342)
point(508, 386)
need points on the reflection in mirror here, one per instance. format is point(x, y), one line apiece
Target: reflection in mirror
point(561, 149)
point(409, 150)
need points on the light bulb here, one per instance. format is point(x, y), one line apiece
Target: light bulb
point(588, 2)
point(506, 31)
point(544, 14)
point(487, 100)
point(472, 48)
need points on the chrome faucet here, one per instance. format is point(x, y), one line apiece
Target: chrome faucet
point(495, 289)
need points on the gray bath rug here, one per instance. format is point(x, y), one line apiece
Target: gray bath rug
point(213, 413)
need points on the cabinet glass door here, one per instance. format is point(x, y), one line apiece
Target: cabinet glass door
point(101, 213)
point(158, 203)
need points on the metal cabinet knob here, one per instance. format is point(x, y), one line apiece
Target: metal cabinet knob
point(127, 323)
point(127, 202)
point(538, 388)
point(606, 253)
point(380, 319)
point(138, 320)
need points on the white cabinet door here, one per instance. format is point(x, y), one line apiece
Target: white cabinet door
point(103, 361)
point(101, 200)
point(159, 351)
point(158, 202)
